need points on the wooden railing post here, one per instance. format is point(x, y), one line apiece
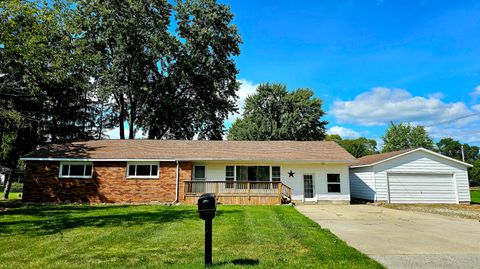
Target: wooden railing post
point(248, 189)
point(216, 189)
point(280, 193)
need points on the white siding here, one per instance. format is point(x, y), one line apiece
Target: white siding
point(362, 183)
point(216, 171)
point(421, 162)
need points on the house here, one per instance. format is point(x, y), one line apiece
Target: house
point(410, 176)
point(168, 171)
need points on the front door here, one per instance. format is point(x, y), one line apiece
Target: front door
point(308, 188)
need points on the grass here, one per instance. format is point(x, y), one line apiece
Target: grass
point(154, 236)
point(475, 196)
point(15, 196)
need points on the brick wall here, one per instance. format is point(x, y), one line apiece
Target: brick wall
point(108, 184)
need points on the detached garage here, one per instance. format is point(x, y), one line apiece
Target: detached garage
point(410, 176)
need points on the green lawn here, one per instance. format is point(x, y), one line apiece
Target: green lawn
point(15, 196)
point(153, 236)
point(475, 196)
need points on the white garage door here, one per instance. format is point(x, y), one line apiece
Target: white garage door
point(421, 188)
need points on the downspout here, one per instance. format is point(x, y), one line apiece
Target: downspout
point(177, 182)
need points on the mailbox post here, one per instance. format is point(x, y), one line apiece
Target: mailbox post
point(207, 206)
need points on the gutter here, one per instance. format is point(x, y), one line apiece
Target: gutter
point(177, 182)
point(346, 161)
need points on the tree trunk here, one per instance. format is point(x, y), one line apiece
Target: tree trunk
point(8, 186)
point(84, 122)
point(100, 127)
point(131, 131)
point(131, 123)
point(121, 117)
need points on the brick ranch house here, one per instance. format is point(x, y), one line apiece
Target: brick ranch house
point(170, 171)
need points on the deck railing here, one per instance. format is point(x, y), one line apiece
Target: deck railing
point(269, 190)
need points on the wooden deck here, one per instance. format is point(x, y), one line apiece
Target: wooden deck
point(239, 192)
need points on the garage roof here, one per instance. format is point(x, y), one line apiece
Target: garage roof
point(142, 149)
point(374, 159)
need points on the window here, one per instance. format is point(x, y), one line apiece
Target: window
point(275, 173)
point(76, 170)
point(199, 172)
point(229, 176)
point(333, 181)
point(253, 173)
point(142, 170)
point(229, 173)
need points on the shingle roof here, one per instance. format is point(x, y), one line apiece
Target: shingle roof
point(315, 151)
point(371, 159)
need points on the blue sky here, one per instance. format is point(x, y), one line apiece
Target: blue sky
point(369, 61)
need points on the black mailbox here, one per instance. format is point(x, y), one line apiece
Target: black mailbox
point(207, 205)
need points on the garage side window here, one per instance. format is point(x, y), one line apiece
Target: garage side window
point(333, 181)
point(142, 170)
point(76, 170)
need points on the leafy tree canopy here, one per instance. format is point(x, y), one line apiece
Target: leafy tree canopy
point(450, 147)
point(474, 173)
point(273, 113)
point(170, 83)
point(406, 136)
point(69, 70)
point(453, 148)
point(358, 147)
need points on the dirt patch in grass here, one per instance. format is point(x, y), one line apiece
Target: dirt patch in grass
point(462, 211)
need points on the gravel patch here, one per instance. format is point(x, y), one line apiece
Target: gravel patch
point(462, 211)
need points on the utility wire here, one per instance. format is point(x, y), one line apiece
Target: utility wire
point(452, 120)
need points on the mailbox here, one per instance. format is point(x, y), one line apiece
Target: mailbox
point(207, 205)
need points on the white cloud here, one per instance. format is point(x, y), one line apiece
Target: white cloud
point(246, 88)
point(380, 105)
point(470, 134)
point(476, 91)
point(343, 132)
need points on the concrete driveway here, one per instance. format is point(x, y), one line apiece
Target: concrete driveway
point(402, 239)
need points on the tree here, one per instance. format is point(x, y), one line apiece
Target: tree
point(273, 113)
point(358, 147)
point(450, 147)
point(474, 173)
point(405, 136)
point(169, 84)
point(126, 40)
point(471, 153)
point(201, 89)
point(334, 137)
point(453, 149)
point(43, 89)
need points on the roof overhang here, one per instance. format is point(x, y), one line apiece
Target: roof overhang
point(185, 159)
point(412, 151)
